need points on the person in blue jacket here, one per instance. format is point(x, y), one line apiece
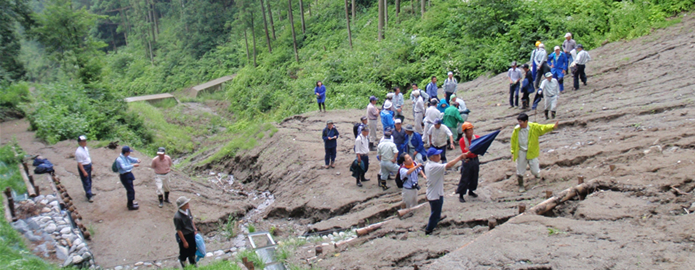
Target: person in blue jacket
point(442, 105)
point(320, 92)
point(386, 115)
point(330, 142)
point(558, 65)
point(413, 144)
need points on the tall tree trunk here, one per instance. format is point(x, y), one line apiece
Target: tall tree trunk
point(156, 16)
point(149, 45)
point(294, 36)
point(265, 24)
point(253, 37)
point(246, 39)
point(301, 12)
point(125, 26)
point(347, 19)
point(412, 7)
point(398, 8)
point(386, 13)
point(183, 15)
point(422, 8)
point(150, 14)
point(380, 32)
point(309, 7)
point(353, 10)
point(270, 14)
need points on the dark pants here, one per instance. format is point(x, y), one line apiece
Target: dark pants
point(435, 213)
point(86, 179)
point(514, 94)
point(448, 96)
point(187, 253)
point(322, 104)
point(365, 159)
point(580, 74)
point(330, 155)
point(524, 95)
point(443, 155)
point(537, 99)
point(127, 181)
point(469, 176)
point(540, 74)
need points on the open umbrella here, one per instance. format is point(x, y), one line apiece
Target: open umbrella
point(480, 145)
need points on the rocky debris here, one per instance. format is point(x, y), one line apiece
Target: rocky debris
point(51, 231)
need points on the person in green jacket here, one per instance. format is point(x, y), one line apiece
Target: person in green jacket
point(452, 118)
point(525, 148)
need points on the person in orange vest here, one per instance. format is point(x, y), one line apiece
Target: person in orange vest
point(471, 165)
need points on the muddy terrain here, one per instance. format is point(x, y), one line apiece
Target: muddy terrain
point(631, 130)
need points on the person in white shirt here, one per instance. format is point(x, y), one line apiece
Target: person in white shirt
point(431, 115)
point(582, 58)
point(362, 152)
point(418, 110)
point(514, 74)
point(387, 152)
point(84, 166)
point(409, 173)
point(438, 135)
point(541, 61)
point(450, 85)
point(434, 173)
point(398, 102)
point(551, 91)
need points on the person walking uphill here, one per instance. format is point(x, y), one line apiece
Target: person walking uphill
point(162, 166)
point(450, 85)
point(582, 58)
point(185, 231)
point(372, 117)
point(558, 65)
point(84, 166)
point(330, 143)
point(470, 168)
point(320, 92)
point(125, 167)
point(515, 76)
point(525, 148)
point(434, 173)
point(551, 91)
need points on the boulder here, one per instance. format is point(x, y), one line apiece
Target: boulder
point(50, 228)
point(77, 259)
point(20, 226)
point(30, 235)
point(61, 252)
point(65, 230)
point(218, 253)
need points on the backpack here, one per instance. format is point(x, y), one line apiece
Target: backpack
point(114, 166)
point(355, 129)
point(399, 181)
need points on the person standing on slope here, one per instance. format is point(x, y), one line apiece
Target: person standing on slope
point(413, 144)
point(525, 147)
point(515, 76)
point(526, 87)
point(373, 117)
point(450, 85)
point(387, 121)
point(320, 92)
point(409, 173)
point(551, 91)
point(418, 111)
point(387, 152)
point(558, 65)
point(161, 164)
point(568, 46)
point(431, 88)
point(534, 66)
point(471, 165)
point(541, 61)
point(431, 115)
point(434, 173)
point(582, 58)
point(362, 153)
point(330, 143)
point(398, 102)
point(452, 119)
point(84, 166)
point(185, 232)
point(125, 167)
point(439, 135)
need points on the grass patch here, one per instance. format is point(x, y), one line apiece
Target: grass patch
point(227, 228)
point(9, 171)
point(165, 103)
point(176, 138)
point(251, 255)
point(252, 228)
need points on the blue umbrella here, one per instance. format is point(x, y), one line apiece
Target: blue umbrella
point(480, 145)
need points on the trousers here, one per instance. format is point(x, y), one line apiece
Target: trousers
point(127, 181)
point(330, 155)
point(387, 167)
point(365, 159)
point(86, 179)
point(469, 176)
point(435, 213)
point(418, 121)
point(514, 95)
point(579, 75)
point(372, 130)
point(162, 181)
point(521, 163)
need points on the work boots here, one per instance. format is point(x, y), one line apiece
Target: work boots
point(166, 197)
point(524, 104)
point(161, 201)
point(553, 112)
point(520, 179)
point(133, 206)
point(461, 199)
point(546, 115)
point(382, 184)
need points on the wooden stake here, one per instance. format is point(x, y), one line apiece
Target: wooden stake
point(548, 194)
point(580, 180)
point(319, 250)
point(522, 208)
point(612, 167)
point(10, 204)
point(492, 223)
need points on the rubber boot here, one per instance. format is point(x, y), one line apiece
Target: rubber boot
point(161, 201)
point(382, 184)
point(166, 197)
point(546, 115)
point(553, 114)
point(520, 180)
point(359, 183)
point(461, 199)
point(132, 206)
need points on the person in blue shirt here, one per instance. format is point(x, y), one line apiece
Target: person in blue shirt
point(442, 105)
point(431, 88)
point(386, 115)
point(320, 92)
point(330, 142)
point(413, 144)
point(558, 65)
point(125, 168)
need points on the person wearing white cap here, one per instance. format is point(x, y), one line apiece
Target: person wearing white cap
point(551, 90)
point(450, 84)
point(162, 166)
point(418, 110)
point(84, 166)
point(568, 46)
point(387, 117)
point(398, 134)
point(185, 231)
point(558, 65)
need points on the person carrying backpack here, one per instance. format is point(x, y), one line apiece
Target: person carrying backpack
point(408, 174)
point(357, 128)
point(125, 165)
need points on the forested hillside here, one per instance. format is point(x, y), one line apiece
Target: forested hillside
point(84, 56)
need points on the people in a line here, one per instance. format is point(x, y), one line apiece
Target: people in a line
point(414, 146)
point(387, 122)
point(582, 58)
point(525, 148)
point(126, 163)
point(398, 102)
point(450, 85)
point(399, 136)
point(418, 110)
point(434, 171)
point(452, 119)
point(526, 87)
point(431, 115)
point(551, 91)
point(541, 61)
point(362, 153)
point(534, 65)
point(409, 173)
point(431, 88)
point(558, 65)
point(357, 128)
point(440, 138)
point(161, 164)
point(330, 143)
point(84, 167)
point(387, 152)
point(568, 46)
point(514, 75)
point(185, 231)
point(320, 92)
point(373, 118)
point(471, 165)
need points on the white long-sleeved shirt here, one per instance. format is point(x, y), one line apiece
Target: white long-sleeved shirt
point(450, 85)
point(550, 88)
point(515, 74)
point(439, 135)
point(387, 150)
point(431, 114)
point(540, 57)
point(582, 58)
point(419, 105)
point(362, 145)
point(462, 104)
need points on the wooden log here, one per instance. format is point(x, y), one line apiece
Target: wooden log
point(366, 230)
point(404, 212)
point(10, 204)
point(562, 197)
point(30, 187)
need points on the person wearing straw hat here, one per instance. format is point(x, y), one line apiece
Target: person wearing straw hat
point(84, 166)
point(330, 143)
point(470, 168)
point(162, 166)
point(551, 90)
point(185, 231)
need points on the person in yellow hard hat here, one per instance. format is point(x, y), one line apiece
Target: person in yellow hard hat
point(533, 57)
point(471, 165)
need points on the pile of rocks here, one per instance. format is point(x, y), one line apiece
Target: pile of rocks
point(53, 232)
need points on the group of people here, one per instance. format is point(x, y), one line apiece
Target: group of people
point(547, 73)
point(124, 164)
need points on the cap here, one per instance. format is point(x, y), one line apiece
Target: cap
point(387, 133)
point(398, 121)
point(416, 93)
point(81, 138)
point(433, 151)
point(449, 73)
point(181, 201)
point(568, 34)
point(126, 149)
point(453, 96)
point(363, 118)
point(161, 151)
point(390, 95)
point(541, 46)
point(580, 46)
point(365, 129)
point(548, 74)
point(438, 122)
point(434, 100)
point(525, 66)
point(373, 98)
point(556, 48)
point(409, 128)
point(329, 122)
point(466, 125)
point(514, 63)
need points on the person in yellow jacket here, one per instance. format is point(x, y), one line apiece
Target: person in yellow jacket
point(525, 148)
